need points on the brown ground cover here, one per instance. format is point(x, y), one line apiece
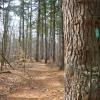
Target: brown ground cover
point(38, 81)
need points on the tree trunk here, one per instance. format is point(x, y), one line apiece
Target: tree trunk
point(20, 31)
point(82, 62)
point(30, 39)
point(23, 34)
point(53, 27)
point(37, 38)
point(27, 36)
point(5, 35)
point(42, 39)
point(61, 39)
point(45, 29)
point(50, 34)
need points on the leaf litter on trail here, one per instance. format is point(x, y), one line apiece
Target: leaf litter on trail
point(43, 84)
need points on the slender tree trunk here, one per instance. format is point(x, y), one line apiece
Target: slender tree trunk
point(45, 29)
point(30, 39)
point(50, 34)
point(62, 39)
point(27, 39)
point(23, 35)
point(53, 28)
point(42, 42)
point(37, 38)
point(20, 31)
point(9, 47)
point(2, 51)
point(82, 62)
point(27, 34)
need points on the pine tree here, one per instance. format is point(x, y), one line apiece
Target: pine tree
point(82, 60)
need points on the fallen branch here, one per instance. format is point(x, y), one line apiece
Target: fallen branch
point(5, 72)
point(7, 61)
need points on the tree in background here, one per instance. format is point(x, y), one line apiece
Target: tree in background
point(5, 32)
point(50, 27)
point(44, 43)
point(38, 28)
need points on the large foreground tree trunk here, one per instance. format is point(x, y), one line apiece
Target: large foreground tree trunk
point(82, 60)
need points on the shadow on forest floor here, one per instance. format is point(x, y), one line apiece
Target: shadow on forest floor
point(38, 81)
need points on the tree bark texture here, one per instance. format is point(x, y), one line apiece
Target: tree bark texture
point(82, 60)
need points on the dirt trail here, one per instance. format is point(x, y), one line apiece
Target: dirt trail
point(39, 82)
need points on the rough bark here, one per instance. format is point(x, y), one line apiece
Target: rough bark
point(82, 62)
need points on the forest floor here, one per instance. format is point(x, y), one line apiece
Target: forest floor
point(38, 81)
